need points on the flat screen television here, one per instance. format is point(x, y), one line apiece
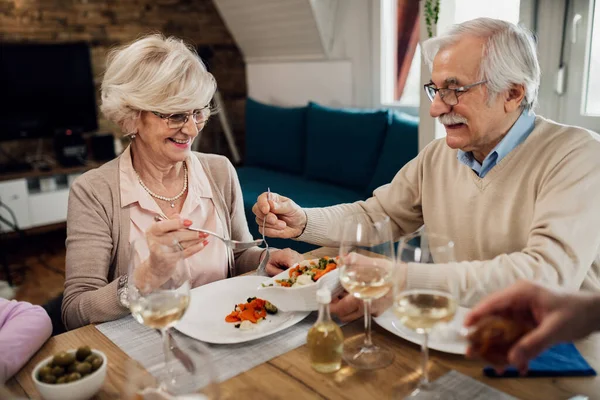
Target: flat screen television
point(44, 88)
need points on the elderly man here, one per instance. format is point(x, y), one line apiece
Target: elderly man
point(518, 194)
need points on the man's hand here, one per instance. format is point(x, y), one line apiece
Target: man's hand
point(281, 260)
point(557, 316)
point(348, 308)
point(284, 218)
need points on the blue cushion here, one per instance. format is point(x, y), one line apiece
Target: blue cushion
point(306, 193)
point(267, 128)
point(400, 146)
point(343, 145)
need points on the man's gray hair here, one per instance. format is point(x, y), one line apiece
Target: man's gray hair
point(509, 55)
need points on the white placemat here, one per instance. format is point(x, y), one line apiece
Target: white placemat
point(465, 387)
point(144, 345)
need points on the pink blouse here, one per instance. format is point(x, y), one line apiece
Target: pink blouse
point(206, 266)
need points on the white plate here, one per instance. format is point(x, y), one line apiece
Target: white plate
point(301, 298)
point(210, 304)
point(441, 339)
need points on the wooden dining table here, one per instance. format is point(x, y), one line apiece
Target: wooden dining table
point(290, 376)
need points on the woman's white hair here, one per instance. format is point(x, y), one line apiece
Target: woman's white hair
point(509, 55)
point(153, 73)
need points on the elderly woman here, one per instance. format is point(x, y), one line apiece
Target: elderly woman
point(158, 92)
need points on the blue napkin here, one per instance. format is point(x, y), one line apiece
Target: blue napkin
point(561, 360)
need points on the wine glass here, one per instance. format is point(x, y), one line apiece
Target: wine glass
point(366, 272)
point(421, 304)
point(158, 290)
point(193, 378)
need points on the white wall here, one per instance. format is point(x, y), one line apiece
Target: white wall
point(344, 79)
point(296, 83)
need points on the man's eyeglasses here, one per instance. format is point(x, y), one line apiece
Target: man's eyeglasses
point(177, 121)
point(448, 95)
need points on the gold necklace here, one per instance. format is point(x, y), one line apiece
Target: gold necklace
point(163, 198)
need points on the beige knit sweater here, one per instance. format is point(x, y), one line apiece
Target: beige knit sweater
point(98, 238)
point(535, 215)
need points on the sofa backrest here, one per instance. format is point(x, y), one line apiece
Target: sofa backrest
point(400, 146)
point(343, 145)
point(351, 148)
point(275, 137)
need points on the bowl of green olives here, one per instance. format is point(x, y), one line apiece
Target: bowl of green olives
point(75, 374)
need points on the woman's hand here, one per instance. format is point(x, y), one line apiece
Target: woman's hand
point(169, 232)
point(165, 238)
point(281, 260)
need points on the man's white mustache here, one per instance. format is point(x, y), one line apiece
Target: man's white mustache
point(452, 119)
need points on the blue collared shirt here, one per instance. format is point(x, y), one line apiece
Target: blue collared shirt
point(517, 134)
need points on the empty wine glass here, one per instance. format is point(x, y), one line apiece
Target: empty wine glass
point(194, 379)
point(158, 290)
point(366, 272)
point(420, 303)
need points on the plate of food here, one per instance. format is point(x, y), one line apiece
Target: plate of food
point(233, 311)
point(443, 337)
point(295, 289)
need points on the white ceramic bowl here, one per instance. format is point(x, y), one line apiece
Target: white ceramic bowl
point(82, 389)
point(301, 298)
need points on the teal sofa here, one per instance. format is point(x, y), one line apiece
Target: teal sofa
point(320, 156)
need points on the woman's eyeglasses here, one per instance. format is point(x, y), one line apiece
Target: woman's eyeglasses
point(178, 120)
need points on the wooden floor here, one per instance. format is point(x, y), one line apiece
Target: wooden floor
point(37, 264)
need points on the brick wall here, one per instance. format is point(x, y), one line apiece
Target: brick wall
point(106, 23)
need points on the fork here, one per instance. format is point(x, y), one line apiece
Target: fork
point(185, 360)
point(262, 267)
point(232, 244)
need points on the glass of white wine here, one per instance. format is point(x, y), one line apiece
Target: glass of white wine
point(158, 290)
point(366, 272)
point(421, 304)
point(194, 376)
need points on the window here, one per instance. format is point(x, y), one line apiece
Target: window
point(451, 12)
point(592, 89)
point(401, 54)
point(464, 10)
point(578, 100)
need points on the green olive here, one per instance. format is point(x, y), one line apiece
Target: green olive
point(44, 371)
point(62, 379)
point(83, 352)
point(84, 368)
point(90, 358)
point(63, 359)
point(58, 371)
point(96, 363)
point(49, 379)
point(72, 367)
point(74, 377)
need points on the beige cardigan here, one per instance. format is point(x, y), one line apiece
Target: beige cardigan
point(98, 238)
point(535, 215)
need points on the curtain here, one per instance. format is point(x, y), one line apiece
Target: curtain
point(408, 39)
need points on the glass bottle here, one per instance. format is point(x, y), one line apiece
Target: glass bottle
point(325, 339)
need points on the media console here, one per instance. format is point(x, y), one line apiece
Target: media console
point(37, 198)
